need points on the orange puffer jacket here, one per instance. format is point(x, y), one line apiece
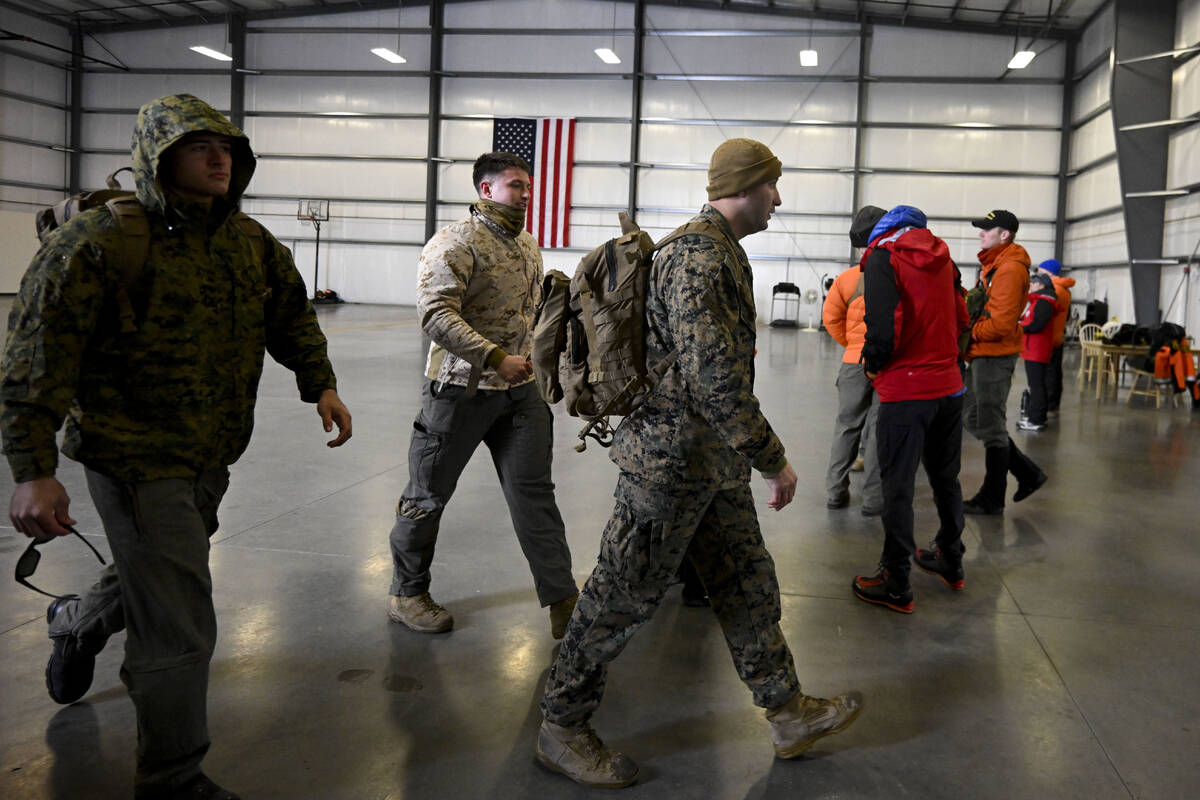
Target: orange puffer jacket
point(844, 313)
point(1062, 292)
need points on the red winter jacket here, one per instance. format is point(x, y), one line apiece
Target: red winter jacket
point(1037, 325)
point(915, 312)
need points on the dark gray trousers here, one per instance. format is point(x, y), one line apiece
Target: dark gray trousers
point(518, 429)
point(159, 591)
point(988, 380)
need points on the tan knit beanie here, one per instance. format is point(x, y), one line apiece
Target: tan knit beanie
point(739, 164)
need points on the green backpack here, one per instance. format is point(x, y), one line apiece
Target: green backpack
point(134, 229)
point(589, 339)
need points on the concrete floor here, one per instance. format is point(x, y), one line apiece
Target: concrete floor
point(1067, 669)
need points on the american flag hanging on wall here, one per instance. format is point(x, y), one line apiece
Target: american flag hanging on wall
point(549, 146)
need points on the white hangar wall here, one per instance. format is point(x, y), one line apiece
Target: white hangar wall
point(903, 115)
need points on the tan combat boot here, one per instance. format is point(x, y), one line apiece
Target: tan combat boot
point(420, 613)
point(560, 615)
point(579, 754)
point(800, 722)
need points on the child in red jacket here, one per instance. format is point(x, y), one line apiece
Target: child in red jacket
point(1038, 348)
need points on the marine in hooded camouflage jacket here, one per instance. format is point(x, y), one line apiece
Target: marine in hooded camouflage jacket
point(176, 396)
point(702, 425)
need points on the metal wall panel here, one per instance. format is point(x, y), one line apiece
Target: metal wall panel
point(538, 14)
point(911, 51)
point(807, 146)
point(131, 91)
point(1092, 92)
point(831, 102)
point(951, 104)
point(342, 51)
point(161, 47)
point(1097, 241)
point(361, 94)
point(1093, 191)
point(1091, 141)
point(519, 97)
point(966, 150)
point(340, 136)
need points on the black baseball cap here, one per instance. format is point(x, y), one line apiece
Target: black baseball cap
point(998, 219)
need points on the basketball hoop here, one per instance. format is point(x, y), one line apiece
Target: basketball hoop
point(314, 212)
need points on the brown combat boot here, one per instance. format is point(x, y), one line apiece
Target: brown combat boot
point(579, 754)
point(800, 722)
point(560, 614)
point(420, 613)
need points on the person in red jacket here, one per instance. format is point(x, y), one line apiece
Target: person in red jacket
point(915, 313)
point(843, 316)
point(1062, 294)
point(991, 360)
point(1037, 322)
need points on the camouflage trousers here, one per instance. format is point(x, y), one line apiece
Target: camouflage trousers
point(651, 528)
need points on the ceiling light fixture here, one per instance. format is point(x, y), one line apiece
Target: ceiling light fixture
point(1021, 59)
point(208, 51)
point(389, 55)
point(608, 54)
point(808, 56)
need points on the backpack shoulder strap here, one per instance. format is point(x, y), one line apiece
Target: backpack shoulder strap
point(698, 228)
point(133, 245)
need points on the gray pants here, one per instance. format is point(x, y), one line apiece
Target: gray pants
point(854, 429)
point(518, 429)
point(988, 380)
point(159, 590)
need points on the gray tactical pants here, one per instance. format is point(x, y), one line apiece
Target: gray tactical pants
point(159, 590)
point(988, 380)
point(518, 429)
point(854, 430)
point(646, 538)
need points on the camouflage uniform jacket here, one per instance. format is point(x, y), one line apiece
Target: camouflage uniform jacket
point(701, 426)
point(176, 396)
point(478, 288)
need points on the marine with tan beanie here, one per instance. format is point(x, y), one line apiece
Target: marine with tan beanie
point(686, 456)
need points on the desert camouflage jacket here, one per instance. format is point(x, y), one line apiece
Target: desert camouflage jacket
point(177, 395)
point(701, 426)
point(477, 289)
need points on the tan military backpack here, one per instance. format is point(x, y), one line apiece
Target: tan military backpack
point(589, 339)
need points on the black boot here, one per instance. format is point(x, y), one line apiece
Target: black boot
point(1028, 474)
point(990, 498)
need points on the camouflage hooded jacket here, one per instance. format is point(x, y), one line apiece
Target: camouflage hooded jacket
point(176, 396)
point(702, 425)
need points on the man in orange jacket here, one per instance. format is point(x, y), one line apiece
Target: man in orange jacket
point(1062, 294)
point(991, 359)
point(858, 407)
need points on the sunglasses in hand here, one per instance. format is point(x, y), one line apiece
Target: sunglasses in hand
point(27, 564)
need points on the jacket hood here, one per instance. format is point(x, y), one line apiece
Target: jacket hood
point(899, 217)
point(1066, 283)
point(921, 249)
point(162, 123)
point(1009, 252)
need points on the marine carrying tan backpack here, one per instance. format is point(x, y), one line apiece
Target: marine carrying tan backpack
point(589, 340)
point(130, 218)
